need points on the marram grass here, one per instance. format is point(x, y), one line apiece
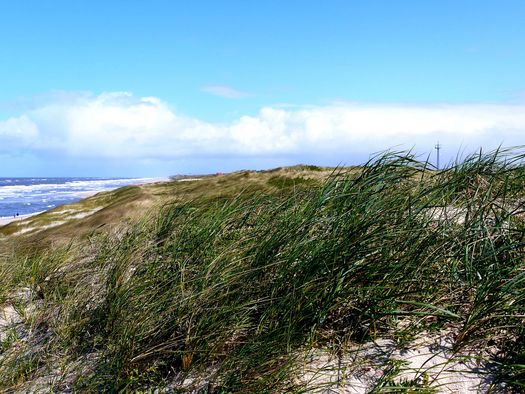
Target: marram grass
point(234, 288)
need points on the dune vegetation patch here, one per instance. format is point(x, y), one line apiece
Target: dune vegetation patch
point(282, 182)
point(236, 285)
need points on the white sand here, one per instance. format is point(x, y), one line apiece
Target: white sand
point(4, 221)
point(88, 194)
point(429, 359)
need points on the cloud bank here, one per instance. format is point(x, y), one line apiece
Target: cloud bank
point(119, 125)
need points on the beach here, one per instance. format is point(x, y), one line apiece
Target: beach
point(99, 186)
point(5, 221)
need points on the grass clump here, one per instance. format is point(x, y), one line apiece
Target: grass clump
point(282, 182)
point(229, 290)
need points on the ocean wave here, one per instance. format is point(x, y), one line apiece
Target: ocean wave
point(16, 191)
point(31, 197)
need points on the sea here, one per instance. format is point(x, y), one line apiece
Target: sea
point(24, 196)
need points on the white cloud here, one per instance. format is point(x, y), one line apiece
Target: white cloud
point(120, 125)
point(225, 91)
point(15, 132)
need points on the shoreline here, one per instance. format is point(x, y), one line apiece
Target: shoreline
point(4, 221)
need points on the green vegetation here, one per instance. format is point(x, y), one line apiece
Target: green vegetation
point(225, 288)
point(282, 182)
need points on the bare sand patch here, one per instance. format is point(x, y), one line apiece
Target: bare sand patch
point(4, 221)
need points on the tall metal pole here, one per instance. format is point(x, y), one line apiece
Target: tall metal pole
point(438, 147)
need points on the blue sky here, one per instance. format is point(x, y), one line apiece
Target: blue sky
point(224, 85)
